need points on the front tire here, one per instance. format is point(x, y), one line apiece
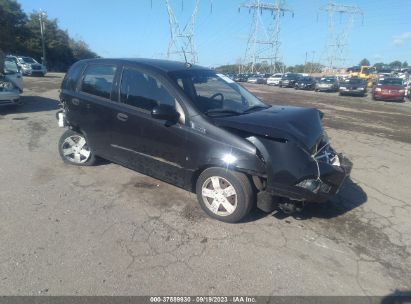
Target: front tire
point(224, 195)
point(74, 149)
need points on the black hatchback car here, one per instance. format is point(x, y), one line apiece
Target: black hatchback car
point(198, 130)
point(305, 83)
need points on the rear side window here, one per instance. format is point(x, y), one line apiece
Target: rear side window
point(143, 91)
point(98, 80)
point(72, 76)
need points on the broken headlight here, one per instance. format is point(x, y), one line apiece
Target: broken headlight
point(314, 185)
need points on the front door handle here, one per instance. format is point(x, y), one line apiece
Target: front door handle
point(122, 117)
point(75, 101)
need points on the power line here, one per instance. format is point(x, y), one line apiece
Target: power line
point(263, 45)
point(337, 44)
point(182, 44)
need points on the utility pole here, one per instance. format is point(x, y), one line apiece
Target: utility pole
point(338, 40)
point(42, 30)
point(182, 45)
point(263, 45)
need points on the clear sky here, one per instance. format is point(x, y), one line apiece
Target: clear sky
point(139, 28)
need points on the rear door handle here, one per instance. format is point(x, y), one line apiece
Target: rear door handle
point(75, 101)
point(122, 117)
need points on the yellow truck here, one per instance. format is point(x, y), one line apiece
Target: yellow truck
point(367, 73)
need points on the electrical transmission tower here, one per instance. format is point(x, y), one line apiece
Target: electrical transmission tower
point(263, 45)
point(338, 36)
point(181, 45)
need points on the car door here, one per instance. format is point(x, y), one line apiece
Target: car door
point(152, 146)
point(89, 106)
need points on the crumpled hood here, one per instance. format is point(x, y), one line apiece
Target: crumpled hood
point(281, 122)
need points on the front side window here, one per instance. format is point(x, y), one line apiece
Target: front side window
point(143, 91)
point(98, 80)
point(216, 94)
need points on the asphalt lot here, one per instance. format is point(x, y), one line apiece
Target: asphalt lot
point(107, 230)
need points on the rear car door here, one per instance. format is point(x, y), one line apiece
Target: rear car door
point(89, 104)
point(152, 146)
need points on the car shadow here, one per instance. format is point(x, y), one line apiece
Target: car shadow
point(350, 196)
point(31, 104)
point(397, 297)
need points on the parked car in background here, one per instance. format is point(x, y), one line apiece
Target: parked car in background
point(241, 78)
point(274, 79)
point(257, 78)
point(29, 65)
point(389, 89)
point(252, 79)
point(11, 83)
point(289, 80)
point(305, 83)
point(327, 84)
point(353, 86)
point(408, 89)
point(197, 130)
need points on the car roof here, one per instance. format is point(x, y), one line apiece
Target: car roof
point(158, 64)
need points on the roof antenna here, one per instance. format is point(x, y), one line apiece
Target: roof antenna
point(188, 65)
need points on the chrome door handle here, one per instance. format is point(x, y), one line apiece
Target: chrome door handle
point(122, 117)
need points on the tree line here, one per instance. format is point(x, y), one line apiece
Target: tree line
point(394, 65)
point(20, 35)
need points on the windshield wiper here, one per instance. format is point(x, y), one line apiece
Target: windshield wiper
point(254, 108)
point(222, 111)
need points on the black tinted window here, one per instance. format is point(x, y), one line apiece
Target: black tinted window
point(70, 81)
point(98, 80)
point(143, 91)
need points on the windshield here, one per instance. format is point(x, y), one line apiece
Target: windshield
point(290, 76)
point(10, 66)
point(216, 94)
point(306, 79)
point(27, 60)
point(369, 70)
point(354, 81)
point(328, 80)
point(391, 81)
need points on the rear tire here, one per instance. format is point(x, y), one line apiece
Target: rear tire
point(74, 149)
point(224, 195)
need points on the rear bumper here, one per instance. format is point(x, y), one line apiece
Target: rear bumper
point(389, 97)
point(331, 179)
point(352, 92)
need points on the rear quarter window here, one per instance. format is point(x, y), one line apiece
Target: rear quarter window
point(98, 80)
point(71, 79)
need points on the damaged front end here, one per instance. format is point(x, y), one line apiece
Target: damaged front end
point(295, 173)
point(300, 165)
point(9, 94)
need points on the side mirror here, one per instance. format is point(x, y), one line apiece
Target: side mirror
point(165, 112)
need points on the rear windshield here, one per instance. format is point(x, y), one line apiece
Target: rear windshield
point(354, 81)
point(391, 81)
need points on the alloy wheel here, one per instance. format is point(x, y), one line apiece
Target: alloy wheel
point(219, 195)
point(75, 149)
